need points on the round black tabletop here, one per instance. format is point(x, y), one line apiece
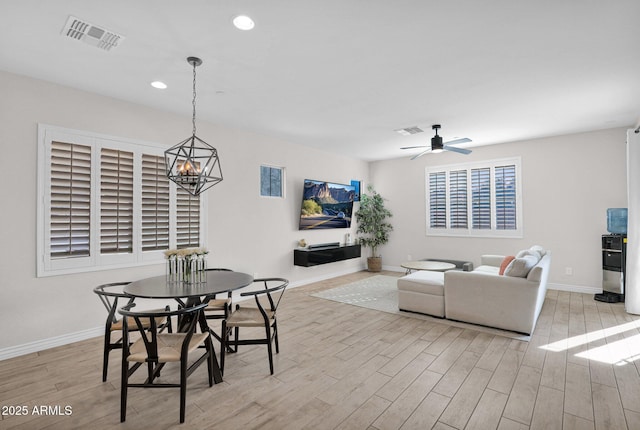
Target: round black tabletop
point(158, 287)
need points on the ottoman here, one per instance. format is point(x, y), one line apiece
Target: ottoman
point(422, 292)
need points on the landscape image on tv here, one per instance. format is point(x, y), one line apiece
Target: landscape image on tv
point(326, 205)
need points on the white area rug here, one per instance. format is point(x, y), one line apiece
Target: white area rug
point(380, 293)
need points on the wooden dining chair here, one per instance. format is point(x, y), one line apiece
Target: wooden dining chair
point(156, 349)
point(110, 295)
point(218, 308)
point(267, 299)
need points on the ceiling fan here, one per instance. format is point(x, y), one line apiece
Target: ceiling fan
point(438, 146)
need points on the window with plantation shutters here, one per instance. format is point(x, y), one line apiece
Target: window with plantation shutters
point(475, 199)
point(187, 219)
point(155, 204)
point(106, 203)
point(116, 201)
point(70, 200)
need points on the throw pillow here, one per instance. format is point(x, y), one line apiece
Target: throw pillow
point(540, 249)
point(526, 252)
point(508, 259)
point(520, 267)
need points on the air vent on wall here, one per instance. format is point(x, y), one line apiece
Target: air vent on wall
point(409, 131)
point(93, 35)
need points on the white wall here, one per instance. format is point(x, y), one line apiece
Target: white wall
point(245, 232)
point(568, 184)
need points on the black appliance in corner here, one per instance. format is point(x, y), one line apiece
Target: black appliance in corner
point(614, 256)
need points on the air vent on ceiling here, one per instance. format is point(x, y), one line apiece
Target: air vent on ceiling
point(93, 35)
point(409, 131)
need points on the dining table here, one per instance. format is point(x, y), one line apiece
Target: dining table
point(190, 294)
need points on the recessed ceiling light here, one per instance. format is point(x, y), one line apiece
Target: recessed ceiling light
point(243, 22)
point(159, 85)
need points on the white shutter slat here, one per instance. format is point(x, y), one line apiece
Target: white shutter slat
point(458, 199)
point(437, 200)
point(188, 219)
point(155, 204)
point(70, 211)
point(481, 198)
point(505, 192)
point(116, 201)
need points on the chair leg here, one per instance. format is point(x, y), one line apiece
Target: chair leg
point(275, 336)
point(105, 357)
point(150, 370)
point(124, 384)
point(168, 325)
point(224, 338)
point(269, 348)
point(210, 358)
point(183, 388)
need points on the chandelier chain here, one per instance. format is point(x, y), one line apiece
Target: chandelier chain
point(193, 118)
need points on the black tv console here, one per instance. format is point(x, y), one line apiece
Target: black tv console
point(312, 257)
point(323, 245)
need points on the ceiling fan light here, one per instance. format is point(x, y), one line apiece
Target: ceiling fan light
point(437, 150)
point(436, 143)
point(243, 22)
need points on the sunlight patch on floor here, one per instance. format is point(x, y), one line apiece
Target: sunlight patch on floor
point(619, 352)
point(575, 341)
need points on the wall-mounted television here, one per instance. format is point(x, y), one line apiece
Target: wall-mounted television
point(326, 205)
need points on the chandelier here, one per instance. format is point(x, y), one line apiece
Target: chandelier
point(193, 164)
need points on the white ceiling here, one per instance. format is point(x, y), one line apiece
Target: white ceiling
point(341, 75)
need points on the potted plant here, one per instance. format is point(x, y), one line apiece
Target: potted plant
point(372, 222)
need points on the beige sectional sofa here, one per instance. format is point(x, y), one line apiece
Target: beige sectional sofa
point(511, 301)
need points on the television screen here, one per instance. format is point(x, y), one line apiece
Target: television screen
point(326, 205)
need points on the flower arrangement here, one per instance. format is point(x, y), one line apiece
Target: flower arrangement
point(185, 252)
point(186, 264)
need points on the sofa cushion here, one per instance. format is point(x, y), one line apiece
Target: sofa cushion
point(520, 267)
point(423, 281)
point(508, 259)
point(487, 270)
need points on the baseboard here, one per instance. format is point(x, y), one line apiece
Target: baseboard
point(574, 288)
point(308, 281)
point(40, 345)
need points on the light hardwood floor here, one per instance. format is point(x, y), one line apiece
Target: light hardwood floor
point(347, 367)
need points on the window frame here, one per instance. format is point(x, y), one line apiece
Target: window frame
point(470, 231)
point(282, 182)
point(47, 266)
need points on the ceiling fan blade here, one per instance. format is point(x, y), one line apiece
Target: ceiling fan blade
point(458, 150)
point(413, 147)
point(458, 141)
point(421, 154)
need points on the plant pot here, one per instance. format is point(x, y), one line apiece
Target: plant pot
point(374, 264)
